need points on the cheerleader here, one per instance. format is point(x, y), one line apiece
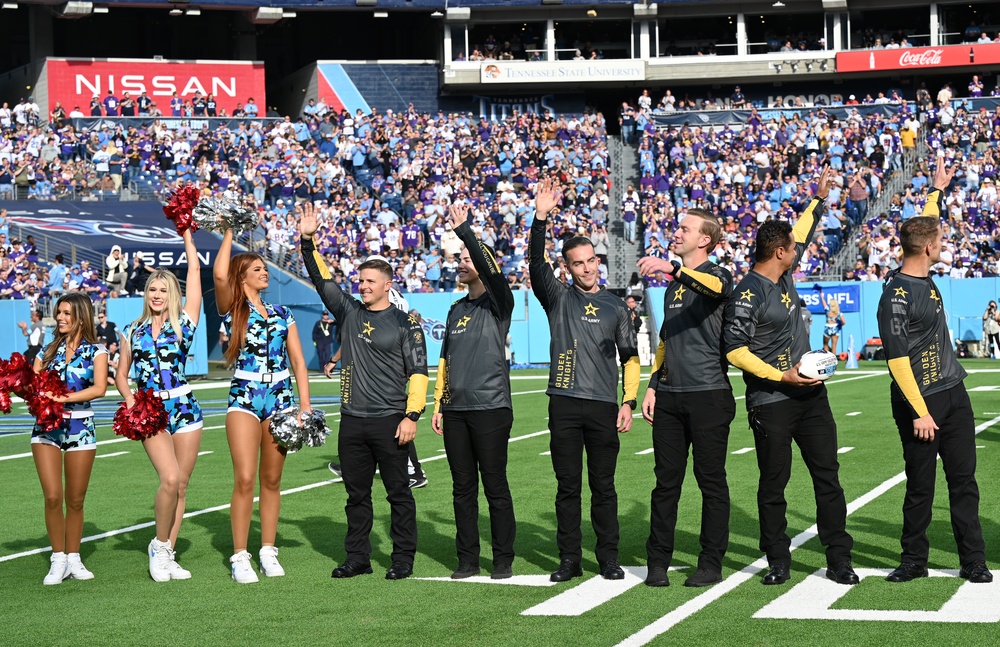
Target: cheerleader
point(263, 342)
point(157, 344)
point(82, 362)
point(834, 322)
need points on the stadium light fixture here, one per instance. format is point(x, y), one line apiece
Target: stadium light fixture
point(437, 14)
point(100, 10)
point(176, 12)
point(10, 5)
point(779, 4)
point(193, 12)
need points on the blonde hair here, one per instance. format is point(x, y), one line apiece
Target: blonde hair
point(174, 302)
point(834, 308)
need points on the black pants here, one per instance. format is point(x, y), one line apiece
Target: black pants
point(31, 353)
point(363, 445)
point(681, 421)
point(809, 421)
point(575, 423)
point(955, 441)
point(476, 443)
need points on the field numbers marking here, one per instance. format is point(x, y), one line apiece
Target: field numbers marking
point(588, 595)
point(517, 580)
point(812, 598)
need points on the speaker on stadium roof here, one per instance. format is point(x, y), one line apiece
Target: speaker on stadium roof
point(456, 14)
point(835, 4)
point(76, 8)
point(366, 3)
point(644, 10)
point(266, 15)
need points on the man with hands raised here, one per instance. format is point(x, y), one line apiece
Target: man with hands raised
point(472, 404)
point(765, 336)
point(587, 325)
point(383, 348)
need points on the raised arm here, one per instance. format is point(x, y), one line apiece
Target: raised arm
point(935, 197)
point(544, 285)
point(805, 227)
point(333, 297)
point(497, 287)
point(220, 274)
point(192, 290)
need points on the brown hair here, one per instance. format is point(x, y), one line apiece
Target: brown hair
point(239, 309)
point(916, 233)
point(82, 311)
point(377, 264)
point(710, 227)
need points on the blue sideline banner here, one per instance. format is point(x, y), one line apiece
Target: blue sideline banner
point(848, 296)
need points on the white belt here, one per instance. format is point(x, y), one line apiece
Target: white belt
point(174, 393)
point(265, 378)
point(77, 414)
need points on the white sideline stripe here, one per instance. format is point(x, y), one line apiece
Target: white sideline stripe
point(745, 450)
point(546, 453)
point(150, 524)
point(205, 453)
point(588, 595)
point(645, 451)
point(980, 446)
point(694, 605)
point(516, 580)
point(854, 413)
point(844, 450)
point(111, 454)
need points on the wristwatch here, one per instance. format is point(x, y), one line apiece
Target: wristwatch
point(631, 403)
point(413, 415)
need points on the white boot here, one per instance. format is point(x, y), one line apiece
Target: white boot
point(75, 568)
point(159, 560)
point(57, 569)
point(269, 562)
point(242, 569)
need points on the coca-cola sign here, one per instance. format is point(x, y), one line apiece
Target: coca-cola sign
point(920, 58)
point(878, 60)
point(74, 82)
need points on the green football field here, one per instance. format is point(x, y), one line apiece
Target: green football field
point(123, 606)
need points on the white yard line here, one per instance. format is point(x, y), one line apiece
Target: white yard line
point(694, 605)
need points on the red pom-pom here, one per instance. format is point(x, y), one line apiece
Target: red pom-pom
point(146, 418)
point(47, 412)
point(178, 209)
point(17, 376)
point(5, 402)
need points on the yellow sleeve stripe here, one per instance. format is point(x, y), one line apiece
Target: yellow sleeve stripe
point(805, 222)
point(709, 281)
point(743, 359)
point(902, 373)
point(495, 268)
point(324, 271)
point(417, 398)
point(932, 209)
point(661, 356)
point(439, 384)
point(632, 375)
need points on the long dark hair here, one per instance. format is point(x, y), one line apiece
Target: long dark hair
point(239, 310)
point(82, 310)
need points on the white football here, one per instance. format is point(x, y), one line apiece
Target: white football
point(818, 364)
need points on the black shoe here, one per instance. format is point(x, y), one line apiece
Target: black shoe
point(465, 570)
point(842, 573)
point(976, 572)
point(657, 576)
point(501, 572)
point(703, 577)
point(568, 569)
point(350, 568)
point(778, 574)
point(418, 482)
point(399, 571)
point(610, 570)
point(907, 571)
point(335, 468)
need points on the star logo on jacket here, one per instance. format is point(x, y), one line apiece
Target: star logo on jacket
point(900, 292)
point(368, 328)
point(463, 322)
point(590, 310)
point(679, 294)
point(747, 294)
point(785, 299)
point(413, 321)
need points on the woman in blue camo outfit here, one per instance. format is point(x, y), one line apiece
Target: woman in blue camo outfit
point(263, 343)
point(157, 344)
